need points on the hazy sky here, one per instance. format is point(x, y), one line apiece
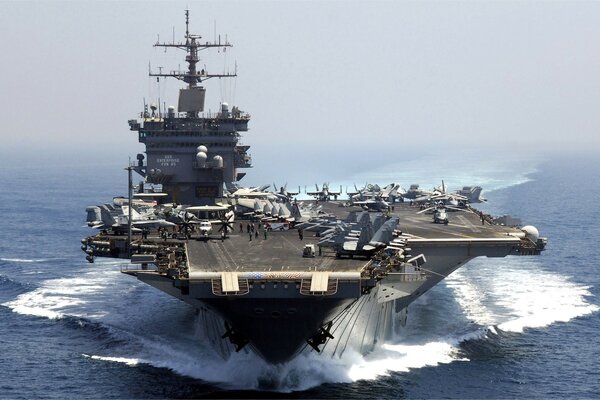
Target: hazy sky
point(325, 82)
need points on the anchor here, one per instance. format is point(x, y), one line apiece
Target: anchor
point(320, 337)
point(234, 337)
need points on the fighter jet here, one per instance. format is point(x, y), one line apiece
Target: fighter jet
point(116, 217)
point(234, 190)
point(472, 193)
point(440, 194)
point(377, 204)
point(414, 192)
point(356, 191)
point(324, 194)
point(283, 193)
point(362, 238)
point(373, 191)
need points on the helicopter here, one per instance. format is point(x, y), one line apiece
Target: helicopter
point(440, 212)
point(440, 216)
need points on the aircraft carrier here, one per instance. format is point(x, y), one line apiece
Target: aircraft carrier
point(266, 272)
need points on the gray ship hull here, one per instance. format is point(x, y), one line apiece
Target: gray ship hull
point(277, 328)
point(276, 322)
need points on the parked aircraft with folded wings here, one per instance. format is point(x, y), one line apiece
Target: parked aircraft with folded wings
point(472, 193)
point(377, 204)
point(234, 190)
point(362, 238)
point(441, 194)
point(388, 193)
point(116, 217)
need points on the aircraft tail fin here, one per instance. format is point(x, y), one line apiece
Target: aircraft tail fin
point(296, 211)
point(379, 220)
point(135, 216)
point(107, 218)
point(476, 195)
point(231, 187)
point(385, 233)
point(364, 237)
point(363, 218)
point(351, 216)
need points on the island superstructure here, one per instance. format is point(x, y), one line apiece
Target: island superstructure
point(267, 273)
point(172, 138)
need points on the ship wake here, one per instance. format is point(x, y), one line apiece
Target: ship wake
point(505, 296)
point(478, 302)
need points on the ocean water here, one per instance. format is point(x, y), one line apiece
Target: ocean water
point(497, 328)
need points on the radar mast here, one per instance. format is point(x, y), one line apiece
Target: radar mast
point(191, 99)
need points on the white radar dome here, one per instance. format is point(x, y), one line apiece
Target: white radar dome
point(531, 232)
point(201, 158)
point(218, 161)
point(202, 149)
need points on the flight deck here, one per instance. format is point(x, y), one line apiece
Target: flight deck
point(282, 251)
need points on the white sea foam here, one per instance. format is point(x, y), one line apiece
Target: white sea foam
point(471, 298)
point(28, 260)
point(514, 297)
point(475, 170)
point(431, 169)
point(129, 361)
point(56, 298)
point(402, 358)
point(247, 371)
